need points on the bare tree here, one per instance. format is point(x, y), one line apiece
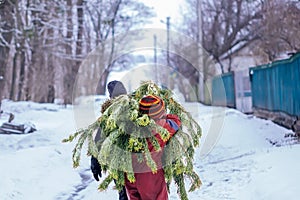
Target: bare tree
point(28, 70)
point(280, 30)
point(234, 26)
point(110, 19)
point(187, 69)
point(267, 27)
point(20, 46)
point(42, 43)
point(227, 25)
point(6, 29)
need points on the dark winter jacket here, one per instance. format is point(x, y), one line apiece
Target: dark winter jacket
point(115, 88)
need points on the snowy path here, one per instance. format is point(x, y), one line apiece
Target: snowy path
point(237, 158)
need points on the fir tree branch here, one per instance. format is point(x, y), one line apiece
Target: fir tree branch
point(125, 131)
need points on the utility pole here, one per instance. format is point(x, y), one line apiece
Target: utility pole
point(201, 70)
point(155, 57)
point(168, 41)
point(166, 80)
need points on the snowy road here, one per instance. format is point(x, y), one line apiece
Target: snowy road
point(241, 157)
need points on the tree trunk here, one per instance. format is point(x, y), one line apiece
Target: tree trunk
point(79, 39)
point(103, 80)
point(3, 55)
point(13, 77)
point(80, 31)
point(4, 50)
point(101, 88)
point(6, 11)
point(69, 76)
point(21, 50)
point(221, 65)
point(21, 76)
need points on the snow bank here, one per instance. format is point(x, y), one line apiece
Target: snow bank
point(240, 157)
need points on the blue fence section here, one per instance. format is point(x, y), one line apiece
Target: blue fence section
point(223, 93)
point(276, 86)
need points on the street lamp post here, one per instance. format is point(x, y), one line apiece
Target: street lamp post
point(155, 57)
point(201, 66)
point(168, 37)
point(168, 44)
point(168, 40)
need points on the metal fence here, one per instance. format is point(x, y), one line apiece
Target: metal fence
point(223, 93)
point(233, 90)
point(276, 86)
point(243, 94)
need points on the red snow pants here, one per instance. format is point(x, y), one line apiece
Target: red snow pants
point(148, 186)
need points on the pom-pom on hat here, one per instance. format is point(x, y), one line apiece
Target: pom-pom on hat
point(153, 106)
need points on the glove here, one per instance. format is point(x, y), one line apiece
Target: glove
point(96, 168)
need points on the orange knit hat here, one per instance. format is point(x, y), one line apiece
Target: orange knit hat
point(153, 106)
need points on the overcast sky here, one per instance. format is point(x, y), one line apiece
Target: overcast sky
point(164, 9)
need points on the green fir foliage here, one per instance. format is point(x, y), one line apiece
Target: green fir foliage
point(124, 131)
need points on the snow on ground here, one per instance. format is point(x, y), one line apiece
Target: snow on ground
point(241, 157)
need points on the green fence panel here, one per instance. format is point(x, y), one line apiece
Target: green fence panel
point(276, 86)
point(223, 93)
